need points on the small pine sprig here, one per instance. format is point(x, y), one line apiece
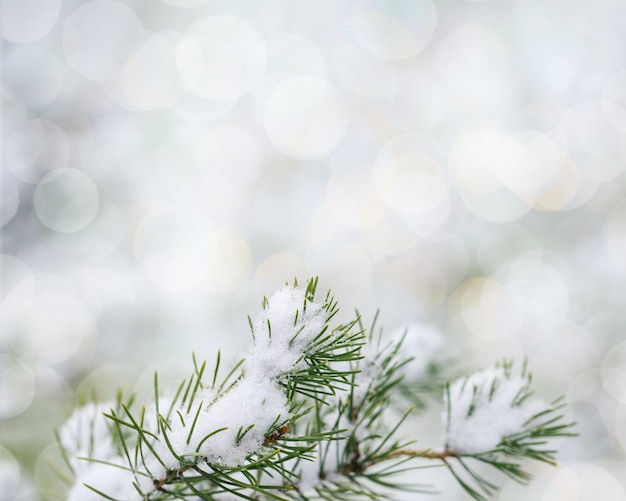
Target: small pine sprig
point(367, 453)
point(493, 418)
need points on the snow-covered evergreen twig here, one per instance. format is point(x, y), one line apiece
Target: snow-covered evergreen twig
point(311, 413)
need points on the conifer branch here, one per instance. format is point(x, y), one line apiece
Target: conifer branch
point(316, 411)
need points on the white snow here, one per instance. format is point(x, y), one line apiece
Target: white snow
point(283, 332)
point(493, 417)
point(86, 434)
point(277, 351)
point(256, 401)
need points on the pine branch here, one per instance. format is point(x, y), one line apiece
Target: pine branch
point(316, 411)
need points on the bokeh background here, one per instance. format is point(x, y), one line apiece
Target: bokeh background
point(166, 163)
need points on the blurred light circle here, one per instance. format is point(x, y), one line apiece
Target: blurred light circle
point(99, 36)
point(9, 199)
point(228, 154)
point(305, 118)
point(289, 55)
point(422, 276)
point(528, 162)
point(561, 194)
point(150, 79)
point(46, 476)
point(613, 372)
point(583, 482)
point(535, 286)
point(100, 286)
point(596, 135)
point(213, 261)
point(232, 264)
point(25, 21)
point(618, 426)
point(615, 236)
point(426, 224)
point(32, 148)
point(17, 386)
point(407, 176)
point(33, 75)
point(498, 245)
point(387, 236)
point(614, 89)
point(102, 236)
point(348, 271)
point(500, 206)
point(353, 201)
point(9, 470)
point(56, 327)
point(422, 101)
point(351, 197)
point(164, 174)
point(300, 193)
point(273, 270)
point(66, 200)
point(17, 286)
point(189, 60)
point(228, 43)
point(195, 109)
point(475, 67)
point(177, 254)
point(393, 30)
point(185, 3)
point(358, 73)
point(472, 162)
point(482, 192)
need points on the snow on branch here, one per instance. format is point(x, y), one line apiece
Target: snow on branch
point(316, 411)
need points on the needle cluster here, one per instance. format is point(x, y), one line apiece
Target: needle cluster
point(316, 411)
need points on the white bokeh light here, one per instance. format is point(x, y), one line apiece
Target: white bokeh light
point(528, 162)
point(535, 286)
point(56, 327)
point(361, 74)
point(596, 135)
point(409, 176)
point(288, 55)
point(17, 386)
point(393, 30)
point(99, 36)
point(186, 4)
point(228, 43)
point(615, 236)
point(34, 75)
point(150, 79)
point(35, 147)
point(305, 117)
point(9, 474)
point(474, 169)
point(9, 199)
point(67, 200)
point(25, 21)
point(476, 69)
point(583, 482)
point(17, 286)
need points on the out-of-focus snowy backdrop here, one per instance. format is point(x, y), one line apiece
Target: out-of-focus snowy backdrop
point(167, 163)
